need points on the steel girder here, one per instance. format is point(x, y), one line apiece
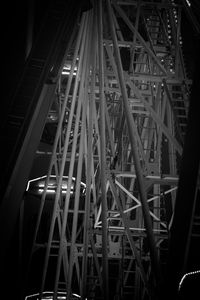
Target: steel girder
point(123, 99)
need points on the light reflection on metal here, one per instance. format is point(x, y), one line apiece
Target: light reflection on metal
point(49, 295)
point(67, 68)
point(187, 275)
point(188, 3)
point(38, 185)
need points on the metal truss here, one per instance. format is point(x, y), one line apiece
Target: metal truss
point(122, 101)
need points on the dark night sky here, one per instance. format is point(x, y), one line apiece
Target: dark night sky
point(14, 29)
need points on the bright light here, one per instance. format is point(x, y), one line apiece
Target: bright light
point(49, 295)
point(188, 2)
point(52, 191)
point(67, 68)
point(186, 275)
point(52, 185)
point(32, 180)
point(67, 73)
point(77, 295)
point(48, 191)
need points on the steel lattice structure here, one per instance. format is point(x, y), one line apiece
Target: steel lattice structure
point(122, 99)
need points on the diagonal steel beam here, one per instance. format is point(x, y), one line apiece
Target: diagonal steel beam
point(140, 38)
point(131, 130)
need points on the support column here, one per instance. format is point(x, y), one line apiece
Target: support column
point(132, 129)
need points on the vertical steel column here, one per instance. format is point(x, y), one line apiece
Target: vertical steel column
point(132, 129)
point(129, 236)
point(92, 34)
point(59, 129)
point(58, 191)
point(77, 195)
point(83, 72)
point(102, 151)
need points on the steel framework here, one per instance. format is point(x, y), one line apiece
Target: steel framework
point(122, 104)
